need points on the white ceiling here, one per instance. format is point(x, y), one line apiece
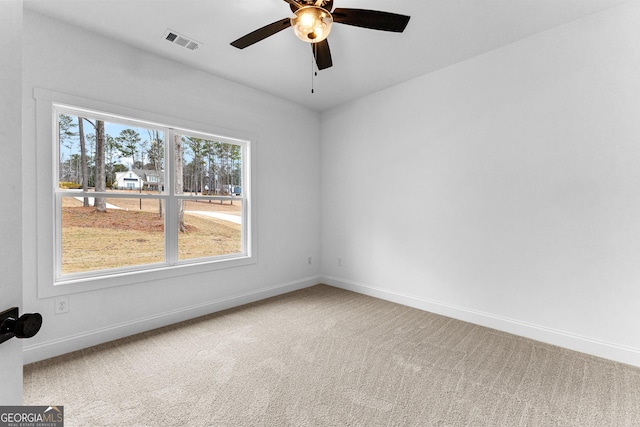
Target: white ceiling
point(440, 33)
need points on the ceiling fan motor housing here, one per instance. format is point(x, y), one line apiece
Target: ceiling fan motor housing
point(326, 4)
point(312, 24)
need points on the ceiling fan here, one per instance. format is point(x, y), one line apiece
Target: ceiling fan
point(312, 22)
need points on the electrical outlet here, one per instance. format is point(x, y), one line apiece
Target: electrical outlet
point(61, 305)
point(309, 260)
point(339, 261)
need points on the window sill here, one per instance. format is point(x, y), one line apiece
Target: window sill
point(65, 287)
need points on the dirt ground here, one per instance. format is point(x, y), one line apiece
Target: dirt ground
point(147, 218)
point(129, 236)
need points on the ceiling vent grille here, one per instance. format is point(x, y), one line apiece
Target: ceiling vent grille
point(182, 40)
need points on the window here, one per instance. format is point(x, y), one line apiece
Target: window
point(135, 197)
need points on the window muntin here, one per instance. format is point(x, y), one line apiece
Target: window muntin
point(199, 215)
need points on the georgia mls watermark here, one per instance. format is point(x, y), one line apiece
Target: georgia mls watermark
point(31, 416)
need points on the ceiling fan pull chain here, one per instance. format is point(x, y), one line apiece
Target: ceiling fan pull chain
point(313, 63)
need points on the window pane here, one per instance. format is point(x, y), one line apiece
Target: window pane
point(119, 237)
point(107, 156)
point(208, 167)
point(103, 154)
point(211, 228)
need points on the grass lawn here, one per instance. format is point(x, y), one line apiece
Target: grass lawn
point(129, 236)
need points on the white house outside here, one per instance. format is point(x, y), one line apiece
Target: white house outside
point(139, 179)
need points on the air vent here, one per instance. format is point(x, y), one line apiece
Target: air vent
point(180, 39)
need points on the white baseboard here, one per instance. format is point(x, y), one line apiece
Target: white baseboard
point(57, 347)
point(594, 347)
point(591, 346)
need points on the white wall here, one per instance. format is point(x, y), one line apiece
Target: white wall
point(66, 59)
point(504, 190)
point(10, 194)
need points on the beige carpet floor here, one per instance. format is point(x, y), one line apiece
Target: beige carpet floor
point(328, 357)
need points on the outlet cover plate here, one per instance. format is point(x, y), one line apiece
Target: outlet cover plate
point(61, 305)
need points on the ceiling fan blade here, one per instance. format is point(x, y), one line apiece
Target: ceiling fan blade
point(322, 54)
point(294, 3)
point(372, 19)
point(261, 33)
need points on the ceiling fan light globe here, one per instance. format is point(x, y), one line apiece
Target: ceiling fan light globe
point(312, 24)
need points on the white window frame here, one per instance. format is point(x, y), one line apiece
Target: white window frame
point(49, 281)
